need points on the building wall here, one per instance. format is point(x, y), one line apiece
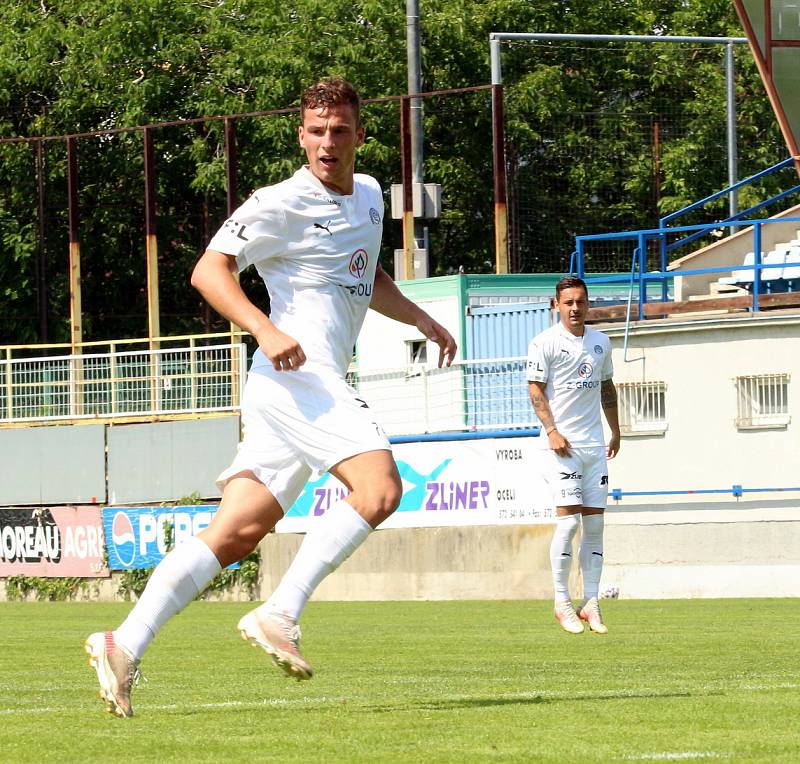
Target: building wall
point(702, 447)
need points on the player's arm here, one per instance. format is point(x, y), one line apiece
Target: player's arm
point(541, 407)
point(608, 400)
point(213, 277)
point(389, 301)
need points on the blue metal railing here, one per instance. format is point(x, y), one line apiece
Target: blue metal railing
point(737, 491)
point(639, 275)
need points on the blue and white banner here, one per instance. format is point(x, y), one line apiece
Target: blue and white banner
point(489, 481)
point(136, 537)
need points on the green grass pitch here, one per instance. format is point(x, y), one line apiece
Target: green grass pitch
point(693, 680)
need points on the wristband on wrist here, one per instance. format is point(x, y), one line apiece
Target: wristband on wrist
point(547, 432)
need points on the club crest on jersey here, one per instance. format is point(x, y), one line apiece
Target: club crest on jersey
point(585, 370)
point(374, 216)
point(358, 263)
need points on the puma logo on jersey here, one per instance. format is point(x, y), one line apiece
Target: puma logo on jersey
point(325, 227)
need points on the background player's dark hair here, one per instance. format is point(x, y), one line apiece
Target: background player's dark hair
point(570, 282)
point(332, 92)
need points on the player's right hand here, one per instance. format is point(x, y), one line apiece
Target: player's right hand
point(559, 443)
point(282, 350)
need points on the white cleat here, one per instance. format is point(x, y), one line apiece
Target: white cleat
point(116, 671)
point(280, 638)
point(589, 611)
point(565, 614)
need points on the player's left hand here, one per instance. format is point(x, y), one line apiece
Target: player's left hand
point(435, 332)
point(613, 446)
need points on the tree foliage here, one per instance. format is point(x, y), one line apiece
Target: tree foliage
point(575, 120)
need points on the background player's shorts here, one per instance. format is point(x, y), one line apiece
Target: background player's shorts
point(298, 424)
point(578, 479)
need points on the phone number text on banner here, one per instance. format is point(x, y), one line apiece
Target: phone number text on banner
point(488, 481)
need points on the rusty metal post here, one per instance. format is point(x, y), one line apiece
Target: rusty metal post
point(409, 244)
point(232, 200)
point(151, 242)
point(41, 260)
point(151, 254)
point(75, 311)
point(76, 326)
point(500, 204)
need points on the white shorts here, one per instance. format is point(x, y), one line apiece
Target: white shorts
point(580, 479)
point(298, 424)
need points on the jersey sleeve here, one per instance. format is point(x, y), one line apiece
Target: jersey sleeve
point(255, 232)
point(607, 372)
point(538, 361)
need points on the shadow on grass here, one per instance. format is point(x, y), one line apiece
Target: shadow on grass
point(450, 704)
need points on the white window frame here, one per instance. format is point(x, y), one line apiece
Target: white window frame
point(642, 408)
point(762, 401)
point(417, 352)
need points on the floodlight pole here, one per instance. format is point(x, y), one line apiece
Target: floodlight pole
point(414, 87)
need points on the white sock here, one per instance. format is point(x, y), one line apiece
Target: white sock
point(331, 540)
point(591, 554)
point(175, 582)
point(561, 554)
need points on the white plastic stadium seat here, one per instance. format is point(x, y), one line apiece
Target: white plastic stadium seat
point(770, 276)
point(791, 269)
point(743, 278)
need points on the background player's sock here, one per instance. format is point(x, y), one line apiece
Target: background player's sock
point(175, 582)
point(331, 540)
point(591, 554)
point(561, 554)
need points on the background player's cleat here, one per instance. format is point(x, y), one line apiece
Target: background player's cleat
point(589, 611)
point(280, 637)
point(116, 671)
point(566, 616)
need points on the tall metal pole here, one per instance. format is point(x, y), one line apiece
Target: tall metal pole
point(75, 312)
point(41, 266)
point(499, 161)
point(151, 243)
point(414, 87)
point(733, 172)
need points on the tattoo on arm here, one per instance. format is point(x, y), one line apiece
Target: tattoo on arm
point(541, 407)
point(608, 395)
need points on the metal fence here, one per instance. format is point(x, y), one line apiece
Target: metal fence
point(468, 396)
point(122, 384)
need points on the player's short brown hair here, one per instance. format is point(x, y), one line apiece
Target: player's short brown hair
point(332, 92)
point(571, 282)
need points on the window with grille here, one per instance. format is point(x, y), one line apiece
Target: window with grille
point(642, 407)
point(762, 400)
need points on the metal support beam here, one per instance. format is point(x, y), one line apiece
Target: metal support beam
point(151, 242)
point(75, 318)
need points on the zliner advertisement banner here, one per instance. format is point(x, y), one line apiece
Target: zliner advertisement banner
point(136, 537)
point(52, 542)
point(489, 481)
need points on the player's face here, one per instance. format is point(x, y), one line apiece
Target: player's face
point(573, 307)
point(330, 137)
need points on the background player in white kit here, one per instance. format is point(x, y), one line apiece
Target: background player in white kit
point(569, 376)
point(315, 240)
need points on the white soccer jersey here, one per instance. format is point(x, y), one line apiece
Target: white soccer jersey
point(573, 368)
point(317, 253)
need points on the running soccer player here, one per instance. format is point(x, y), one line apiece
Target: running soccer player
point(314, 240)
point(569, 380)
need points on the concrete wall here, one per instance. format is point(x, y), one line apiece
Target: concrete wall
point(702, 447)
point(701, 549)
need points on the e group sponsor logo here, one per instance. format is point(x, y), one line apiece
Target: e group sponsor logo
point(123, 538)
